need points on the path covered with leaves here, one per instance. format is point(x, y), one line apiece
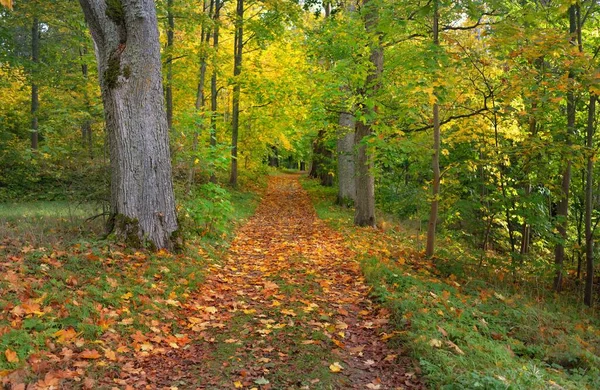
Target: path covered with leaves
point(287, 308)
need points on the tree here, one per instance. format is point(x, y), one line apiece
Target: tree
point(128, 54)
point(345, 159)
point(365, 182)
point(238, 50)
point(435, 188)
point(35, 59)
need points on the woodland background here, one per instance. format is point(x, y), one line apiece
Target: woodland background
point(482, 117)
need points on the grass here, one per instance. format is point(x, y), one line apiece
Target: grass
point(62, 288)
point(468, 330)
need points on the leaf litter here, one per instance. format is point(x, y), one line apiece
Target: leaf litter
point(286, 307)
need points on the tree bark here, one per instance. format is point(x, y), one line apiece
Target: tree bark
point(435, 163)
point(237, 70)
point(125, 33)
point(86, 126)
point(365, 183)
point(345, 160)
point(35, 59)
point(563, 205)
point(589, 199)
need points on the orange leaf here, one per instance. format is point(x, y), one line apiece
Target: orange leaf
point(11, 356)
point(90, 354)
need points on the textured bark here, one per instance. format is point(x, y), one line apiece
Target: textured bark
point(345, 160)
point(589, 199)
point(125, 34)
point(435, 162)
point(237, 70)
point(563, 205)
point(365, 183)
point(35, 59)
point(86, 126)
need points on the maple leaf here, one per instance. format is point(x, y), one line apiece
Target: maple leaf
point(65, 335)
point(211, 309)
point(11, 356)
point(110, 355)
point(90, 354)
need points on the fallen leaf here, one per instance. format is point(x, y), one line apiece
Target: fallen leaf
point(11, 356)
point(261, 381)
point(335, 367)
point(90, 354)
point(435, 343)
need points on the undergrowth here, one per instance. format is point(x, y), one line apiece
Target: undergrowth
point(470, 330)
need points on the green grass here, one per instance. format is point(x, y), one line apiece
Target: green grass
point(467, 331)
point(57, 274)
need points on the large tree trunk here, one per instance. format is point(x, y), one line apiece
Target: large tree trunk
point(345, 160)
point(35, 59)
point(125, 34)
point(435, 163)
point(563, 205)
point(589, 199)
point(237, 70)
point(365, 182)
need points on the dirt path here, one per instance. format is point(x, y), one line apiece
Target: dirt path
point(286, 309)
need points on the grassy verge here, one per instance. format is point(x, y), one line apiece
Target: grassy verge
point(81, 306)
point(466, 332)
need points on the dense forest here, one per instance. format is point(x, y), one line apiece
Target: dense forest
point(449, 142)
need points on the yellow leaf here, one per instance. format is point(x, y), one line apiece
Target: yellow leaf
point(335, 367)
point(435, 343)
point(110, 355)
point(65, 335)
point(238, 384)
point(126, 296)
point(11, 356)
point(210, 309)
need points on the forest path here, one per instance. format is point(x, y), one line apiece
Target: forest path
point(287, 308)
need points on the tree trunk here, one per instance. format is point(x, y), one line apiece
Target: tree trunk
point(365, 182)
point(169, 86)
point(35, 59)
point(589, 199)
point(237, 70)
point(214, 91)
point(125, 34)
point(205, 35)
point(435, 190)
point(345, 160)
point(563, 205)
point(86, 126)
